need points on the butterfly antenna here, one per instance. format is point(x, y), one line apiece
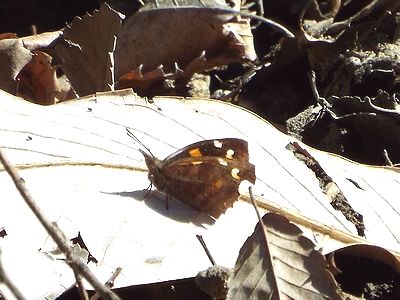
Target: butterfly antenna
point(130, 134)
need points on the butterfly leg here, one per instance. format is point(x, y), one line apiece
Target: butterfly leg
point(166, 201)
point(148, 190)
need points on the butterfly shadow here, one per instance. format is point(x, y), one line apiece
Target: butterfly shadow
point(176, 210)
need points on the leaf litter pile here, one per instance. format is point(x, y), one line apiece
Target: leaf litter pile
point(323, 72)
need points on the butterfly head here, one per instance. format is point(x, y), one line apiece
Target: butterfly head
point(155, 175)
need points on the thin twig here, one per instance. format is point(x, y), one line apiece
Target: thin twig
point(109, 283)
point(79, 284)
point(50, 164)
point(325, 105)
point(56, 233)
point(254, 204)
point(320, 100)
point(260, 220)
point(115, 274)
point(387, 158)
point(365, 11)
point(260, 7)
point(203, 244)
point(8, 283)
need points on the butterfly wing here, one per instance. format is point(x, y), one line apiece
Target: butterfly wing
point(228, 147)
point(205, 175)
point(209, 184)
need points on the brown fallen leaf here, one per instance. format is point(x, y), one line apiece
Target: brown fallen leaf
point(286, 266)
point(371, 252)
point(363, 269)
point(37, 80)
point(8, 35)
point(138, 81)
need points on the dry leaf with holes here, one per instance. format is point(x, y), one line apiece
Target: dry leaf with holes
point(87, 50)
point(182, 42)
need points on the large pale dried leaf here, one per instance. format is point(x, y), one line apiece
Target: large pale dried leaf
point(87, 50)
point(88, 175)
point(286, 266)
point(180, 36)
point(13, 57)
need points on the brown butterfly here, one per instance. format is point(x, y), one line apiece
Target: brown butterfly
point(206, 175)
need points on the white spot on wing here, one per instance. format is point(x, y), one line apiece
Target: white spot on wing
point(229, 154)
point(217, 144)
point(222, 162)
point(235, 172)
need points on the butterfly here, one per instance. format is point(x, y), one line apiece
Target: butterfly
point(205, 175)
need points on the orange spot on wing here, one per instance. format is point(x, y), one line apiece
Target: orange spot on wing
point(195, 153)
point(218, 184)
